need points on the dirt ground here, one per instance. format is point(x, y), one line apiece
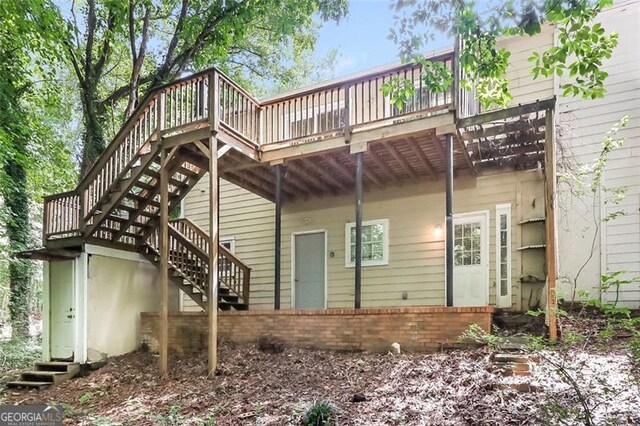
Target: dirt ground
point(258, 388)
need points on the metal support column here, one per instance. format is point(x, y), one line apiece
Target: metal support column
point(449, 219)
point(278, 237)
point(358, 260)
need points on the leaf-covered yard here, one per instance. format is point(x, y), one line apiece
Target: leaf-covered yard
point(254, 387)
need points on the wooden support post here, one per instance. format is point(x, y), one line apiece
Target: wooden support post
point(550, 194)
point(278, 237)
point(212, 294)
point(358, 260)
point(449, 219)
point(164, 264)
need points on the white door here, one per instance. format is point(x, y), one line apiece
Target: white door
point(471, 259)
point(61, 302)
point(309, 271)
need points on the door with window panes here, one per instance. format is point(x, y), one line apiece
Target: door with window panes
point(470, 259)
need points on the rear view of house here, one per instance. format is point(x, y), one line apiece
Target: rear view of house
point(330, 217)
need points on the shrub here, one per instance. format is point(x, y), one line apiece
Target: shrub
point(19, 354)
point(321, 413)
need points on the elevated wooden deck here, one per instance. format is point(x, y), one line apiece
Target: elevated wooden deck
point(311, 132)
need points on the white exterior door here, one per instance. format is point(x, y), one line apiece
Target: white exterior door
point(471, 259)
point(61, 296)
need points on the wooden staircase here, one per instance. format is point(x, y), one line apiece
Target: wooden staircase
point(46, 374)
point(188, 266)
point(118, 202)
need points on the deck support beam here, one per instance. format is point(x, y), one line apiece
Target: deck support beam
point(212, 294)
point(278, 236)
point(449, 219)
point(550, 195)
point(164, 264)
point(358, 260)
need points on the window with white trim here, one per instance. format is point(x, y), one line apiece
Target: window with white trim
point(503, 254)
point(224, 264)
point(375, 243)
point(229, 243)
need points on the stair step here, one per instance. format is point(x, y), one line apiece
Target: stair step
point(511, 358)
point(44, 376)
point(57, 367)
point(28, 384)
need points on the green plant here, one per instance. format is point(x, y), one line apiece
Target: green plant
point(614, 280)
point(88, 396)
point(19, 353)
point(172, 418)
point(320, 413)
point(475, 334)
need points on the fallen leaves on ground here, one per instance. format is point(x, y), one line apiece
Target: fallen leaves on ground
point(252, 387)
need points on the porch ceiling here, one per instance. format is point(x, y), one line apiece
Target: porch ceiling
point(391, 162)
point(512, 139)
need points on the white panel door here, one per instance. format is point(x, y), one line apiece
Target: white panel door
point(471, 259)
point(309, 274)
point(61, 309)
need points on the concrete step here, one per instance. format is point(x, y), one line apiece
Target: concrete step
point(22, 384)
point(510, 358)
point(46, 374)
point(54, 377)
point(58, 366)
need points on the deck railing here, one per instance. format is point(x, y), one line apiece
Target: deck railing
point(189, 253)
point(232, 272)
point(210, 97)
point(62, 215)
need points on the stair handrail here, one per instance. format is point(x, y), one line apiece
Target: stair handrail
point(222, 251)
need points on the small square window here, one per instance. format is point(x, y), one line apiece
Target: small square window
point(375, 243)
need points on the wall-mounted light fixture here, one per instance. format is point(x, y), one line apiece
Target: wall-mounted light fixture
point(438, 230)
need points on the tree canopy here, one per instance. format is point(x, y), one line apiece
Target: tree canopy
point(33, 157)
point(582, 45)
point(120, 49)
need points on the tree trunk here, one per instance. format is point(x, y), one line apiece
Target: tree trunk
point(18, 230)
point(93, 138)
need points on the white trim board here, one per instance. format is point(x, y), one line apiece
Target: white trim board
point(114, 253)
point(503, 301)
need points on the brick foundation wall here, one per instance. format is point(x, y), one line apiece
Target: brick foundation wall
point(416, 329)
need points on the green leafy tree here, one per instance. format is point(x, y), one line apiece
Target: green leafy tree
point(30, 154)
point(120, 49)
point(581, 49)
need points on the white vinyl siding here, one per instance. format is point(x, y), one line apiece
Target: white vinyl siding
point(582, 125)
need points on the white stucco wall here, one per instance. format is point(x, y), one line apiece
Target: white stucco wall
point(120, 285)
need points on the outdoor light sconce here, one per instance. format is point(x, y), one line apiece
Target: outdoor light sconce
point(438, 230)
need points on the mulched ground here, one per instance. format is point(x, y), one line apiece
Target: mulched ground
point(258, 388)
